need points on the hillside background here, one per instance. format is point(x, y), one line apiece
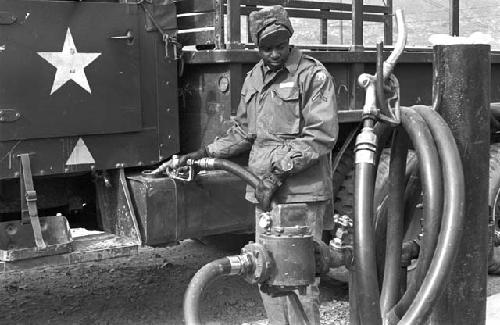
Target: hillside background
point(423, 17)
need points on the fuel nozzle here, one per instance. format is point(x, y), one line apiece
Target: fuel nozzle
point(172, 169)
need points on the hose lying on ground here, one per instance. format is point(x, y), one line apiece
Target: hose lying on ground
point(197, 286)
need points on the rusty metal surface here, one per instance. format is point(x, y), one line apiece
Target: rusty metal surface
point(169, 210)
point(87, 246)
point(464, 71)
point(18, 243)
point(293, 258)
point(116, 207)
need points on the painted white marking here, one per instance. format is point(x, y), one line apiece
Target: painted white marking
point(289, 84)
point(2, 48)
point(70, 64)
point(80, 154)
point(26, 16)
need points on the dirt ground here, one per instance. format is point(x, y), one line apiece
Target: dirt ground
point(146, 288)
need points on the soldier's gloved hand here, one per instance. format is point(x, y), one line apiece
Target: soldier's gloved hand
point(182, 160)
point(268, 185)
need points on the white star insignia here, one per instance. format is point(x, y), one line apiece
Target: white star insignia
point(69, 64)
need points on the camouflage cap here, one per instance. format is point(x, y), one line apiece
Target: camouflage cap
point(260, 20)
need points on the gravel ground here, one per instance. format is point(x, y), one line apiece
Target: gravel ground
point(146, 288)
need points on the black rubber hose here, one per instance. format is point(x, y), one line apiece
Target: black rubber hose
point(364, 248)
point(365, 263)
point(452, 220)
point(390, 292)
point(430, 175)
point(197, 286)
point(219, 267)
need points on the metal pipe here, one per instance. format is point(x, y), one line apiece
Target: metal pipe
point(390, 63)
point(197, 286)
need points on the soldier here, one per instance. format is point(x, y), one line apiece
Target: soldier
point(287, 118)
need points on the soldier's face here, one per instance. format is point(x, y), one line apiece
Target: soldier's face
point(275, 49)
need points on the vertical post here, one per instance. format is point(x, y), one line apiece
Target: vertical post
point(341, 32)
point(388, 24)
point(323, 28)
point(219, 23)
point(235, 84)
point(234, 24)
point(454, 17)
point(357, 25)
point(463, 71)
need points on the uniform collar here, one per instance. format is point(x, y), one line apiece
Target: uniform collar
point(292, 63)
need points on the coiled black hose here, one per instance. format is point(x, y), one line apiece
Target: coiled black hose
point(441, 176)
point(197, 286)
point(389, 295)
point(415, 306)
point(452, 219)
point(430, 175)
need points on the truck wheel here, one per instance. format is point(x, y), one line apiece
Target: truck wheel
point(344, 198)
point(494, 203)
point(344, 202)
point(342, 171)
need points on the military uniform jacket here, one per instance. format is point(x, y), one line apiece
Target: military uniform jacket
point(288, 119)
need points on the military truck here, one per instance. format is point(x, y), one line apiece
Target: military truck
point(94, 92)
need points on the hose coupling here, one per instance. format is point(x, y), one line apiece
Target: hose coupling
point(203, 163)
point(259, 263)
point(240, 264)
point(366, 146)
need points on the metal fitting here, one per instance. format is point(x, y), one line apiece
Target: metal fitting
point(364, 80)
point(259, 265)
point(366, 146)
point(240, 264)
point(203, 163)
point(265, 221)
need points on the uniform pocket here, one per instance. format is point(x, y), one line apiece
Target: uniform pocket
point(285, 111)
point(248, 98)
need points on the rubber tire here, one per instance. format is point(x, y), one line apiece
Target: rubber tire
point(494, 203)
point(345, 168)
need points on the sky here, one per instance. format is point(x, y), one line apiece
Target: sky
point(423, 17)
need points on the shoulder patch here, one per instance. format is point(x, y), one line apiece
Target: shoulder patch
point(320, 76)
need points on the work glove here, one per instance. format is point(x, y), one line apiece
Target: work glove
point(268, 185)
point(182, 159)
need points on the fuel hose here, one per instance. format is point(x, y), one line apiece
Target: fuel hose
point(198, 285)
point(213, 270)
point(441, 176)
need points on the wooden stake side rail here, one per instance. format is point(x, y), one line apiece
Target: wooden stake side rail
point(220, 20)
